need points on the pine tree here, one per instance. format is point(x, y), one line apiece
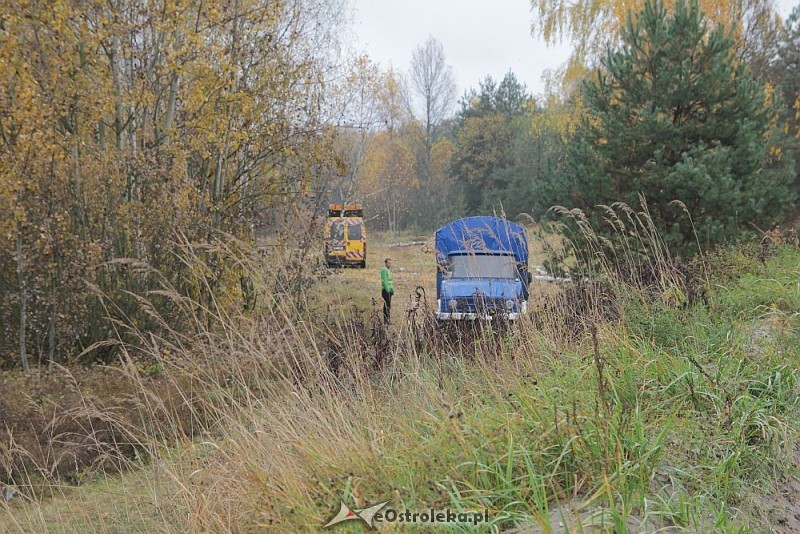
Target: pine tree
point(672, 116)
point(487, 163)
point(787, 76)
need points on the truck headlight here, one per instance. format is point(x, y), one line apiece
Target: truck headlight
point(452, 304)
point(509, 305)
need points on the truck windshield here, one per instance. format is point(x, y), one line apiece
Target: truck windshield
point(337, 231)
point(481, 266)
point(354, 231)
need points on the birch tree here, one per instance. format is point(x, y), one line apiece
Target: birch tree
point(433, 82)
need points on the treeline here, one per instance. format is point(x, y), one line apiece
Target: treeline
point(688, 107)
point(421, 165)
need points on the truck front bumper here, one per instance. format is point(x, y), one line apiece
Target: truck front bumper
point(468, 316)
point(471, 316)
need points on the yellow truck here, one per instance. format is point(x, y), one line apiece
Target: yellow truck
point(345, 236)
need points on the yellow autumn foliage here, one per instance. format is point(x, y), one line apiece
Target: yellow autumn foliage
point(125, 124)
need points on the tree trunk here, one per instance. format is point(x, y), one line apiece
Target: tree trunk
point(52, 329)
point(173, 98)
point(23, 305)
point(116, 84)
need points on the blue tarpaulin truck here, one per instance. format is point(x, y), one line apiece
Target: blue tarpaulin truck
point(482, 269)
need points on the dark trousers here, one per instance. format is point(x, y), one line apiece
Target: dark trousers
point(387, 305)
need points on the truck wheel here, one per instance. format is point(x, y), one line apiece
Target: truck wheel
point(363, 264)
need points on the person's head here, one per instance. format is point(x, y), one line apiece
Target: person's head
point(388, 263)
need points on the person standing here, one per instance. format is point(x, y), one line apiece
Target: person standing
point(387, 289)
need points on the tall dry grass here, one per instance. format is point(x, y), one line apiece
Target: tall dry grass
point(265, 414)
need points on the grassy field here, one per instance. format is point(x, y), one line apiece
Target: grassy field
point(414, 266)
point(629, 408)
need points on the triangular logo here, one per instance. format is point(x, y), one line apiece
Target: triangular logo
point(365, 514)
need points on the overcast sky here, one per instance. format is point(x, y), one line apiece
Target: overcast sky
point(480, 37)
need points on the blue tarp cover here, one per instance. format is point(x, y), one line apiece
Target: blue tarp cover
point(482, 235)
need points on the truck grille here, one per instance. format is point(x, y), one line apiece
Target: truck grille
point(475, 305)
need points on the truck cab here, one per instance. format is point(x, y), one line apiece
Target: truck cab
point(482, 270)
point(345, 237)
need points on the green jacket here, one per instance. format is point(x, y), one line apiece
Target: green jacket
point(386, 280)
